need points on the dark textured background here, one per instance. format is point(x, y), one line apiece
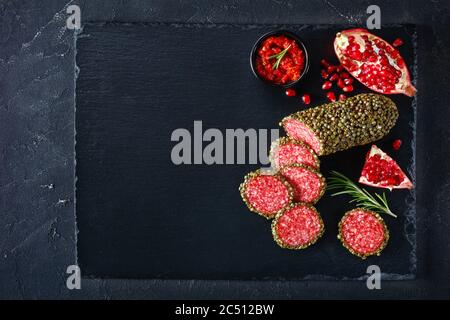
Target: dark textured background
point(37, 221)
point(141, 216)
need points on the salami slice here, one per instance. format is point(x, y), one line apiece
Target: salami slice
point(308, 184)
point(285, 151)
point(297, 227)
point(363, 232)
point(266, 194)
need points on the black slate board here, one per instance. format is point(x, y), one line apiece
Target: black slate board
point(140, 216)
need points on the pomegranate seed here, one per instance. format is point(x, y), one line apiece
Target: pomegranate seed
point(330, 69)
point(348, 88)
point(306, 98)
point(334, 77)
point(397, 42)
point(348, 81)
point(339, 68)
point(326, 85)
point(396, 144)
point(324, 74)
point(331, 96)
point(340, 83)
point(324, 63)
point(291, 92)
point(344, 75)
point(342, 97)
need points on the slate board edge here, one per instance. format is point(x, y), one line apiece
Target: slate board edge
point(410, 218)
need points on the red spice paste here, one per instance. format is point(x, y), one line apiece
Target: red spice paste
point(290, 66)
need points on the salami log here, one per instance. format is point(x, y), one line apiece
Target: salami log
point(341, 125)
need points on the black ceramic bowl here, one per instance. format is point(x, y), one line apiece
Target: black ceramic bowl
point(275, 33)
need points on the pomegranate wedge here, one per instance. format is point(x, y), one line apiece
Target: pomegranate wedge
point(382, 171)
point(373, 61)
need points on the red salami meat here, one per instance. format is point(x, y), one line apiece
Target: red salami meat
point(299, 131)
point(298, 227)
point(266, 194)
point(363, 232)
point(308, 184)
point(286, 151)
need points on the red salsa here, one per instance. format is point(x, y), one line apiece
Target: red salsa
point(280, 60)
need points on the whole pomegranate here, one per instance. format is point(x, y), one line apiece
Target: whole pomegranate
point(373, 61)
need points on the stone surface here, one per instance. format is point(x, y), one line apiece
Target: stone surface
point(37, 221)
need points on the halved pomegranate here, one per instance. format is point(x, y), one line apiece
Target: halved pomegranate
point(382, 171)
point(373, 61)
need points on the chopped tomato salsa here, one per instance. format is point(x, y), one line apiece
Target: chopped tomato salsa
point(276, 66)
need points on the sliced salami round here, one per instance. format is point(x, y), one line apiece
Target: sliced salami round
point(363, 232)
point(308, 184)
point(266, 194)
point(297, 227)
point(285, 151)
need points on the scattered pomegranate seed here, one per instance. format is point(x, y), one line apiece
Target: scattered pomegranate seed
point(306, 98)
point(348, 88)
point(342, 97)
point(396, 144)
point(348, 81)
point(397, 42)
point(339, 68)
point(291, 92)
point(331, 96)
point(326, 85)
point(334, 77)
point(330, 69)
point(324, 63)
point(344, 75)
point(324, 74)
point(340, 83)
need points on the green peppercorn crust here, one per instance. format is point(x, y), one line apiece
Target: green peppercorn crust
point(356, 121)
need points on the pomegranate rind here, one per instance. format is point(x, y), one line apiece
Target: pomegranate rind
point(406, 87)
point(312, 158)
point(278, 219)
point(374, 150)
point(341, 125)
point(243, 188)
point(310, 170)
point(363, 255)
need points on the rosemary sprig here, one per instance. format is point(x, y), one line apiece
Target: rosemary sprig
point(279, 56)
point(360, 196)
